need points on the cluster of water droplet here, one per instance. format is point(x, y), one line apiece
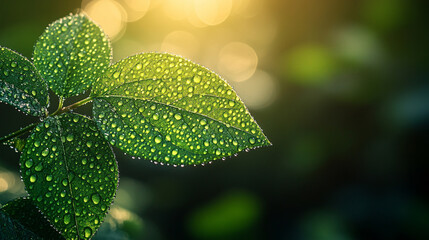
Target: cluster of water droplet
point(170, 110)
point(71, 173)
point(20, 84)
point(71, 54)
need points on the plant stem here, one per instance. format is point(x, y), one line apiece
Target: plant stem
point(60, 110)
point(60, 105)
point(18, 133)
point(73, 106)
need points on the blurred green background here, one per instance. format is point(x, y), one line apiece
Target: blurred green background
point(340, 88)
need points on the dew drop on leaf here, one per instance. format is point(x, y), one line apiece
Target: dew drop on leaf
point(33, 178)
point(95, 198)
point(29, 163)
point(67, 219)
point(88, 232)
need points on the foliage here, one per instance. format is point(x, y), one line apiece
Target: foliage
point(156, 106)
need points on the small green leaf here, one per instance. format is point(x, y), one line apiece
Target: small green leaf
point(167, 109)
point(12, 229)
point(26, 213)
point(71, 173)
point(21, 85)
point(71, 53)
point(16, 143)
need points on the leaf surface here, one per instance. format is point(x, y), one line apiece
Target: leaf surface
point(21, 85)
point(12, 229)
point(71, 53)
point(26, 213)
point(71, 173)
point(170, 110)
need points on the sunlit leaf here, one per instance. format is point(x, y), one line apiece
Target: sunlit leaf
point(21, 85)
point(71, 53)
point(12, 229)
point(71, 173)
point(167, 109)
point(25, 212)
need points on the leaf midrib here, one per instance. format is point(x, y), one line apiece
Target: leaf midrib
point(178, 108)
point(68, 178)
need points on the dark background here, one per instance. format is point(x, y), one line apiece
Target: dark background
point(340, 88)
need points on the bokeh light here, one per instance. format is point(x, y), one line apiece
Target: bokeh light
point(109, 14)
point(339, 87)
point(213, 12)
point(237, 61)
point(257, 92)
point(181, 43)
point(135, 9)
point(310, 64)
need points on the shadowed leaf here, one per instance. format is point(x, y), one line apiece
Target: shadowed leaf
point(21, 85)
point(71, 173)
point(25, 212)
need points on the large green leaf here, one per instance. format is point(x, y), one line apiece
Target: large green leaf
point(26, 213)
point(12, 229)
point(71, 173)
point(71, 53)
point(170, 110)
point(21, 85)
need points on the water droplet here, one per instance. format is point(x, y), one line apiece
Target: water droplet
point(13, 64)
point(70, 137)
point(29, 163)
point(45, 152)
point(89, 144)
point(116, 74)
point(33, 93)
point(156, 116)
point(95, 198)
point(158, 139)
point(177, 116)
point(39, 167)
point(174, 152)
point(252, 141)
point(37, 144)
point(218, 152)
point(65, 182)
point(139, 66)
point(197, 79)
point(88, 232)
point(49, 178)
point(203, 122)
point(33, 178)
point(67, 219)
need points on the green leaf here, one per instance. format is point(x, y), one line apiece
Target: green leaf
point(21, 85)
point(167, 109)
point(26, 213)
point(12, 229)
point(71, 173)
point(71, 53)
point(16, 143)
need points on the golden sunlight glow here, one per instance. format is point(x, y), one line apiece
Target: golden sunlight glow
point(3, 184)
point(136, 9)
point(177, 9)
point(257, 92)
point(212, 12)
point(181, 43)
point(109, 14)
point(237, 61)
point(120, 214)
